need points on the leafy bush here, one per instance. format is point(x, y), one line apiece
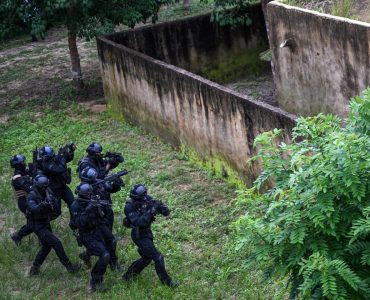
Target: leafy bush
point(313, 224)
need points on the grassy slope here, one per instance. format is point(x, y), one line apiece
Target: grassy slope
point(195, 239)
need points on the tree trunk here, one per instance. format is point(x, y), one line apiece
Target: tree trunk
point(75, 62)
point(187, 4)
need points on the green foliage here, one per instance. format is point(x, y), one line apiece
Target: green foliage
point(313, 223)
point(232, 12)
point(85, 18)
point(342, 8)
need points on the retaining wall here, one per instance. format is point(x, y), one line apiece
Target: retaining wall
point(179, 106)
point(196, 44)
point(327, 63)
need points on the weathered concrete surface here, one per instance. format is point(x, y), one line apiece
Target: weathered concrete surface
point(186, 109)
point(198, 45)
point(328, 64)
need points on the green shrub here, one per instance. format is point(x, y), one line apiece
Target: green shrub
point(313, 224)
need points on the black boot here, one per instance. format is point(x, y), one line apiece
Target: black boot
point(96, 286)
point(72, 268)
point(172, 283)
point(35, 270)
point(128, 276)
point(115, 266)
point(86, 258)
point(16, 238)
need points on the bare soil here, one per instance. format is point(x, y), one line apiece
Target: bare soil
point(32, 73)
point(259, 87)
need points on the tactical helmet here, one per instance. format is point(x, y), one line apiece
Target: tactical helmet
point(17, 160)
point(46, 151)
point(41, 181)
point(95, 149)
point(138, 192)
point(84, 190)
point(89, 174)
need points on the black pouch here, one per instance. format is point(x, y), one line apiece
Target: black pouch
point(126, 223)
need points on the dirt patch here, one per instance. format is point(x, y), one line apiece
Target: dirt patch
point(260, 88)
point(38, 71)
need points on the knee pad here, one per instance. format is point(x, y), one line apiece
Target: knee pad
point(106, 257)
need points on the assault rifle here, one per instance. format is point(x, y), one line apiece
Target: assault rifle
point(110, 178)
point(114, 157)
point(97, 203)
point(50, 199)
point(50, 202)
point(67, 149)
point(156, 206)
point(35, 163)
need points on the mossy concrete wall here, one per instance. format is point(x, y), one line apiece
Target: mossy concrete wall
point(181, 107)
point(201, 47)
point(327, 63)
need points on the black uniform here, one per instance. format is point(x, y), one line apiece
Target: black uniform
point(105, 221)
point(59, 175)
point(85, 217)
point(22, 183)
point(104, 191)
point(139, 216)
point(41, 215)
point(97, 163)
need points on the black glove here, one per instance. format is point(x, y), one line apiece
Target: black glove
point(165, 210)
point(126, 223)
point(108, 186)
point(72, 147)
point(119, 182)
point(153, 210)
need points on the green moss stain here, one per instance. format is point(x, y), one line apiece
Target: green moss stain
point(216, 166)
point(233, 67)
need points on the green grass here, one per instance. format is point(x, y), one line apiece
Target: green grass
point(195, 240)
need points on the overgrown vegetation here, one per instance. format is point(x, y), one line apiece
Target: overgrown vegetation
point(313, 225)
point(340, 8)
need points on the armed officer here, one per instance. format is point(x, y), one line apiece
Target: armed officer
point(21, 183)
point(55, 168)
point(140, 212)
point(102, 191)
point(101, 163)
point(86, 213)
point(41, 203)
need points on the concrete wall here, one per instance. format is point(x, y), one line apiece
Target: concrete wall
point(183, 108)
point(328, 64)
point(200, 46)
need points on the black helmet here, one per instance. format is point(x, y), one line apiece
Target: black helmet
point(46, 151)
point(138, 192)
point(89, 174)
point(94, 149)
point(17, 160)
point(84, 190)
point(41, 181)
